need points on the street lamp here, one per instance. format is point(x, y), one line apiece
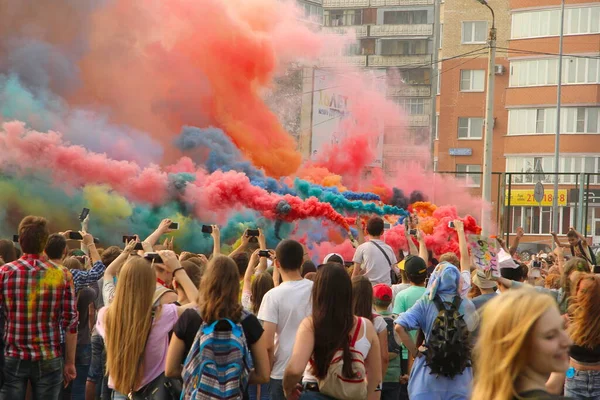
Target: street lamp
point(486, 184)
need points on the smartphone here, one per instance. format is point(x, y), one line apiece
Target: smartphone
point(96, 240)
point(413, 232)
point(387, 226)
point(174, 225)
point(127, 239)
point(138, 246)
point(264, 253)
point(451, 224)
point(536, 264)
point(75, 236)
point(206, 229)
point(16, 238)
point(252, 232)
point(596, 269)
point(84, 213)
point(153, 257)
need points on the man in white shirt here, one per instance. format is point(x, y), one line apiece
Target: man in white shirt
point(374, 258)
point(283, 309)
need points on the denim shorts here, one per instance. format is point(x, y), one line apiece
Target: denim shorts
point(584, 385)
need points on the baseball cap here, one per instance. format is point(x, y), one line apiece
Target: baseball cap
point(336, 258)
point(382, 292)
point(415, 265)
point(480, 280)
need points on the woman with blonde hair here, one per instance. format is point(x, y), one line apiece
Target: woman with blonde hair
point(583, 377)
point(135, 329)
point(522, 341)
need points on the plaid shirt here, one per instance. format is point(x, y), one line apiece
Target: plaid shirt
point(83, 279)
point(38, 299)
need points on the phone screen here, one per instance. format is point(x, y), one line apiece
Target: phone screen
point(252, 232)
point(75, 236)
point(174, 225)
point(206, 229)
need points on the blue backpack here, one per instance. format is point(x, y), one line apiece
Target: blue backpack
point(218, 364)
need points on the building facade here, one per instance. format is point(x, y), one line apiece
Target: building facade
point(396, 38)
point(525, 116)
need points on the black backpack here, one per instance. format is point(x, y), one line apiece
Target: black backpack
point(393, 346)
point(448, 348)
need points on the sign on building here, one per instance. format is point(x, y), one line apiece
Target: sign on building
point(526, 197)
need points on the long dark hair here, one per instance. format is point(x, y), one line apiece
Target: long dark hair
point(362, 297)
point(333, 318)
point(219, 292)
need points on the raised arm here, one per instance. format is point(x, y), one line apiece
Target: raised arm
point(114, 267)
point(361, 230)
point(303, 349)
point(250, 271)
point(515, 245)
point(465, 260)
point(163, 228)
point(556, 241)
point(423, 253)
point(172, 264)
point(245, 239)
point(216, 235)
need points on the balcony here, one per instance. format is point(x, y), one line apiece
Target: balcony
point(401, 30)
point(345, 3)
point(417, 120)
point(336, 61)
point(361, 30)
point(409, 90)
point(399, 61)
point(383, 3)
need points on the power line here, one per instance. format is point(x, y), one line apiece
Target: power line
point(519, 51)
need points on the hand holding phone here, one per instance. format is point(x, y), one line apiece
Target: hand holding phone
point(264, 253)
point(252, 232)
point(153, 257)
point(75, 236)
point(207, 229)
point(84, 213)
point(174, 226)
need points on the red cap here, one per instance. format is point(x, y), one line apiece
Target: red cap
point(382, 292)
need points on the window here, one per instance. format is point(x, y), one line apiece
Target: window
point(411, 76)
point(534, 168)
point(472, 80)
point(470, 128)
point(574, 120)
point(474, 32)
point(439, 81)
point(577, 70)
point(405, 17)
point(581, 70)
point(578, 20)
point(415, 106)
point(342, 17)
point(403, 47)
point(435, 164)
point(582, 20)
point(538, 220)
point(437, 126)
point(470, 172)
point(441, 38)
point(311, 11)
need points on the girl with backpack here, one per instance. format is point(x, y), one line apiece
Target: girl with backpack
point(441, 369)
point(219, 336)
point(135, 329)
point(337, 352)
point(522, 341)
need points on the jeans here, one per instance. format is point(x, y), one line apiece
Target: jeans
point(118, 396)
point(390, 391)
point(276, 389)
point(264, 392)
point(584, 385)
point(46, 377)
point(83, 358)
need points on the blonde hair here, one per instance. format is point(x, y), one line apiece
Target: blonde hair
point(128, 322)
point(502, 351)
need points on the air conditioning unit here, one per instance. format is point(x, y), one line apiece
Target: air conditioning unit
point(499, 70)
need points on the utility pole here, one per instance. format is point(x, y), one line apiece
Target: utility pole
point(557, 136)
point(486, 185)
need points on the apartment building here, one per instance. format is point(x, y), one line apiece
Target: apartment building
point(525, 114)
point(394, 38)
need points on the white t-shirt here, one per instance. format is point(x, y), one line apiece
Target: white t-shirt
point(374, 262)
point(286, 306)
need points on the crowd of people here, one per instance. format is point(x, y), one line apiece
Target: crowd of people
point(146, 322)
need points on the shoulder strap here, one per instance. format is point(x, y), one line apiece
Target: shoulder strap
point(457, 302)
point(583, 252)
point(158, 294)
point(439, 304)
point(356, 332)
point(383, 251)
